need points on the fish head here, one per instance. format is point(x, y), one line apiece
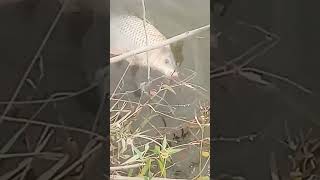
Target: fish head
point(165, 63)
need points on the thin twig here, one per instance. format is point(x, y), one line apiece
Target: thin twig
point(13, 172)
point(116, 88)
point(239, 139)
point(238, 58)
point(41, 67)
point(284, 79)
point(78, 162)
point(145, 31)
point(50, 173)
point(43, 141)
point(10, 143)
point(269, 37)
point(44, 155)
point(22, 120)
point(116, 168)
point(65, 95)
point(38, 53)
point(241, 68)
point(95, 122)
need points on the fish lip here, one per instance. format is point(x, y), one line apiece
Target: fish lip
point(174, 76)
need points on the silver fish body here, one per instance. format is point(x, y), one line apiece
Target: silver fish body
point(127, 33)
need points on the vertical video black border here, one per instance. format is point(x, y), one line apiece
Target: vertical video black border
point(212, 154)
point(31, 52)
point(107, 99)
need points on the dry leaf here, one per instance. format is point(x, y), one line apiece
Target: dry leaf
point(164, 86)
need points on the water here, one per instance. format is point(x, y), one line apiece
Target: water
point(243, 107)
point(180, 17)
point(63, 71)
point(172, 18)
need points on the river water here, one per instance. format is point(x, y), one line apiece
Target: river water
point(172, 18)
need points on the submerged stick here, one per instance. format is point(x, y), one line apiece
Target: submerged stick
point(145, 31)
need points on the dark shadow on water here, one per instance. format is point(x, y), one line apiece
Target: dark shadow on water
point(74, 51)
point(241, 107)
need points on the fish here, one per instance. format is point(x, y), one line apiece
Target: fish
point(127, 33)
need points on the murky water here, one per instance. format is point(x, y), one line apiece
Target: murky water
point(244, 108)
point(175, 17)
point(172, 18)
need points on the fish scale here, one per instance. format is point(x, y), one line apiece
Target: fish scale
point(131, 28)
point(138, 36)
point(127, 33)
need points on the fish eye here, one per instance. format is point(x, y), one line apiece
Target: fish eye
point(166, 61)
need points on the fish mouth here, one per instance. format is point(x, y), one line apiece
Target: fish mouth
point(174, 75)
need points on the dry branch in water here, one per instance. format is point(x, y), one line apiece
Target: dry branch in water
point(161, 44)
point(145, 32)
point(127, 114)
point(36, 56)
point(254, 74)
point(116, 168)
point(41, 123)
